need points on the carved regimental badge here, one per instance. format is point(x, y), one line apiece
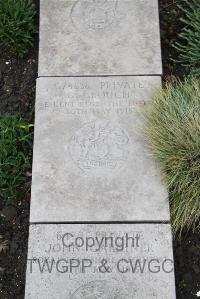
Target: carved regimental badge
point(100, 290)
point(99, 145)
point(94, 16)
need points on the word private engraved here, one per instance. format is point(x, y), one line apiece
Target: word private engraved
point(94, 16)
point(100, 289)
point(100, 145)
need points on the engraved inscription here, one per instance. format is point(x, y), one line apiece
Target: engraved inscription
point(103, 261)
point(94, 16)
point(101, 99)
point(100, 289)
point(100, 145)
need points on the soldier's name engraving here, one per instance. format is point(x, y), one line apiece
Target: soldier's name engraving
point(82, 99)
point(102, 241)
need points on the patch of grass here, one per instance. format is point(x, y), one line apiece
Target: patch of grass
point(189, 48)
point(173, 130)
point(17, 25)
point(15, 142)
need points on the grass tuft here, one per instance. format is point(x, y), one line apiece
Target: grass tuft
point(173, 129)
point(189, 46)
point(15, 143)
point(17, 25)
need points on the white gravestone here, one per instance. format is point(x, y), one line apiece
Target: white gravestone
point(91, 160)
point(99, 62)
point(99, 37)
point(103, 261)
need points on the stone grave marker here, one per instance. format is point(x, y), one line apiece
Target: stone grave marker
point(91, 161)
point(99, 220)
point(99, 37)
point(106, 261)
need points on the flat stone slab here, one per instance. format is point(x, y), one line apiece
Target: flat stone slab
point(106, 261)
point(99, 37)
point(91, 162)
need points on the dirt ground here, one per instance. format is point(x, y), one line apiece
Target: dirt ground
point(17, 96)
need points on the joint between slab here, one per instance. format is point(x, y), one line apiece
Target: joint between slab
point(101, 76)
point(101, 222)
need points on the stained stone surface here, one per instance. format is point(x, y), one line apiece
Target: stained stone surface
point(104, 261)
point(99, 37)
point(91, 161)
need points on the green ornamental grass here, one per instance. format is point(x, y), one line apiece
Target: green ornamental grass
point(17, 25)
point(189, 45)
point(173, 130)
point(15, 143)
